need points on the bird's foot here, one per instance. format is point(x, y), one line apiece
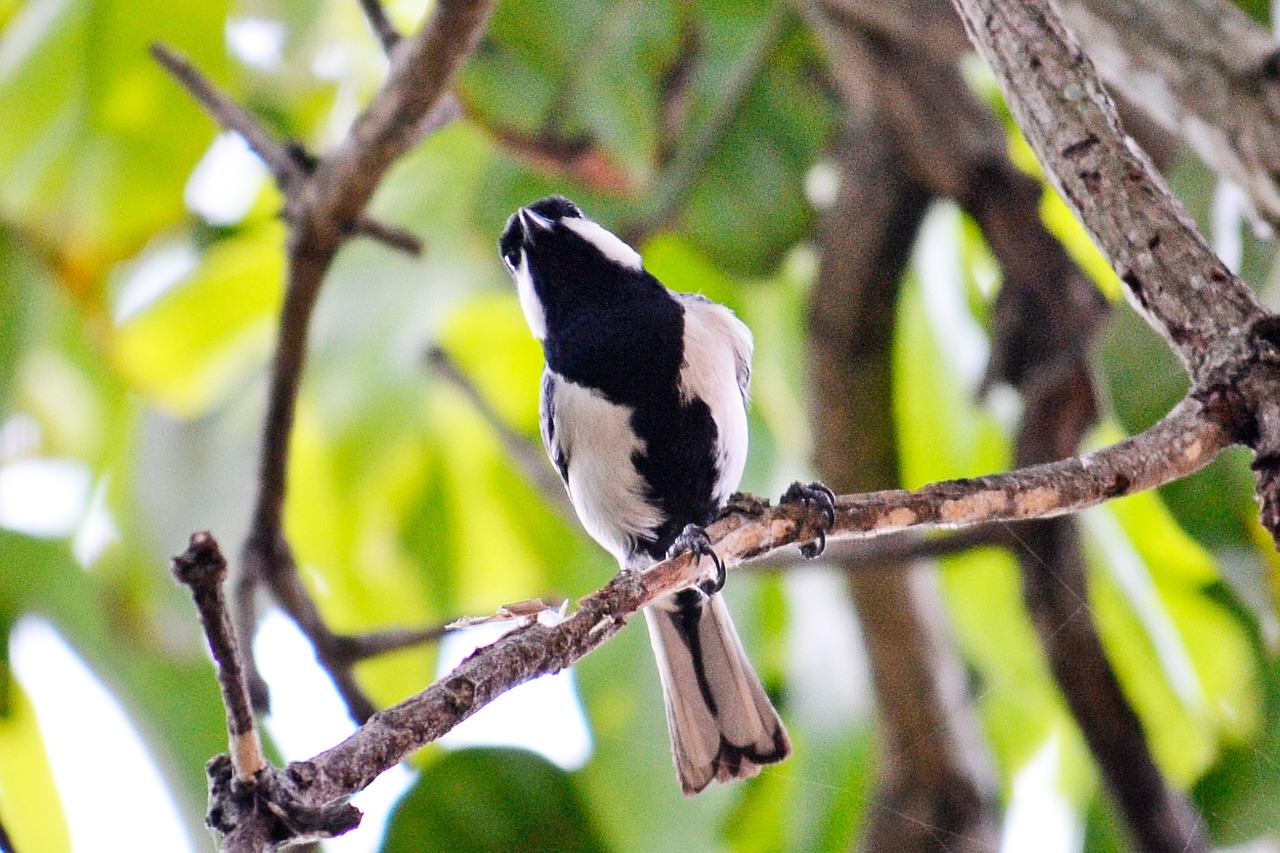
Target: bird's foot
point(693, 539)
point(813, 494)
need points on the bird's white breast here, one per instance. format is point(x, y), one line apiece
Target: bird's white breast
point(606, 490)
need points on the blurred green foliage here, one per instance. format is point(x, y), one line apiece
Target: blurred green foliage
point(689, 127)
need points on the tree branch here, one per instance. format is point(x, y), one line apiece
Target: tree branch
point(376, 15)
point(1178, 445)
point(279, 160)
point(202, 568)
point(1228, 342)
point(353, 649)
point(286, 162)
point(1170, 274)
point(324, 205)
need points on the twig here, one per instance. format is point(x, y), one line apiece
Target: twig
point(896, 550)
point(381, 25)
point(308, 798)
point(353, 649)
point(286, 168)
point(388, 235)
point(202, 568)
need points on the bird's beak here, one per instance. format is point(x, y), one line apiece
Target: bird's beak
point(534, 223)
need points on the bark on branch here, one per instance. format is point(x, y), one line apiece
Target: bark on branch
point(1182, 443)
point(1227, 341)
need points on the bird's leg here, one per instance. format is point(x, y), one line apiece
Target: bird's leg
point(816, 494)
point(693, 539)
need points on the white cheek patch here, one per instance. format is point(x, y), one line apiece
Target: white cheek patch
point(609, 244)
point(529, 301)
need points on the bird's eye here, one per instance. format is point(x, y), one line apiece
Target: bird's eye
point(511, 259)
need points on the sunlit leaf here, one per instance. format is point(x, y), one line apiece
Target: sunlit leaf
point(1186, 661)
point(30, 808)
point(344, 533)
point(1240, 795)
point(943, 434)
point(493, 347)
point(91, 120)
point(171, 696)
point(17, 277)
point(202, 340)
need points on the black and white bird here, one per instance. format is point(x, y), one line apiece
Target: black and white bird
point(644, 415)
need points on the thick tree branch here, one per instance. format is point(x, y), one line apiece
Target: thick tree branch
point(1044, 319)
point(1229, 343)
point(1170, 274)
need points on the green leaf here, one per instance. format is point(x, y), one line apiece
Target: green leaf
point(600, 83)
point(479, 800)
point(1187, 662)
point(726, 161)
point(91, 120)
point(761, 125)
point(943, 433)
point(1240, 795)
point(203, 339)
point(18, 274)
point(343, 529)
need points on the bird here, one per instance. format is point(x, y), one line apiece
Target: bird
point(643, 414)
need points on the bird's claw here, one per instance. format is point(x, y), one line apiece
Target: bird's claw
point(813, 494)
point(693, 539)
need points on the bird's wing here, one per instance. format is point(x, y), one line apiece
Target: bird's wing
point(550, 441)
point(725, 332)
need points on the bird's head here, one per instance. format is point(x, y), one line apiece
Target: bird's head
point(557, 256)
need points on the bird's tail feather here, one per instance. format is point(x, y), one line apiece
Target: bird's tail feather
point(722, 724)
